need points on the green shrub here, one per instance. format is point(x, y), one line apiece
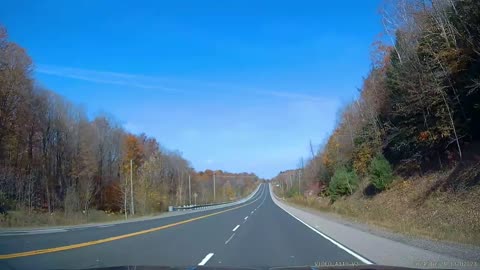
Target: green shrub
point(343, 182)
point(292, 192)
point(381, 174)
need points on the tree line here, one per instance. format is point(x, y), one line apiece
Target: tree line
point(54, 158)
point(418, 109)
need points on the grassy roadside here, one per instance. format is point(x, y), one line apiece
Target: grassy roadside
point(24, 218)
point(404, 208)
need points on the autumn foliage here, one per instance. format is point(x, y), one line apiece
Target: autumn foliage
point(419, 106)
point(54, 158)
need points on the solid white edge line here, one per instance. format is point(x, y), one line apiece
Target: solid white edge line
point(205, 260)
point(234, 229)
point(349, 251)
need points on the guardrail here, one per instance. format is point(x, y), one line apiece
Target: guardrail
point(211, 205)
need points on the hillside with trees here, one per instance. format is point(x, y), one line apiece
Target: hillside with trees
point(58, 166)
point(407, 150)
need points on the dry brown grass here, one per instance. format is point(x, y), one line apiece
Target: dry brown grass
point(405, 208)
point(22, 218)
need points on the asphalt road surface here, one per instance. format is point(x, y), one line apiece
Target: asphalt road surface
point(256, 233)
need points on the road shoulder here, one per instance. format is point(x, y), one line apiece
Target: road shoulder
point(383, 247)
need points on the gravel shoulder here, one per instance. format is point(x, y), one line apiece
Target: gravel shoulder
point(384, 247)
point(461, 251)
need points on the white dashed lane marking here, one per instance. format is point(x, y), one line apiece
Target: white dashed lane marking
point(205, 260)
point(228, 240)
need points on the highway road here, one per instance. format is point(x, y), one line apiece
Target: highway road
point(256, 233)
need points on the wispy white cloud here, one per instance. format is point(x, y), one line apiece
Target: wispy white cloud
point(165, 84)
point(107, 77)
point(296, 96)
point(209, 161)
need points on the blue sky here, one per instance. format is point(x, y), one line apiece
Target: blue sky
point(241, 86)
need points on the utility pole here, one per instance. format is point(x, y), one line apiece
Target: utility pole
point(126, 194)
point(131, 186)
point(214, 187)
point(299, 176)
point(189, 191)
point(300, 171)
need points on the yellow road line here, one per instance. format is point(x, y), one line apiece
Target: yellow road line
point(110, 239)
